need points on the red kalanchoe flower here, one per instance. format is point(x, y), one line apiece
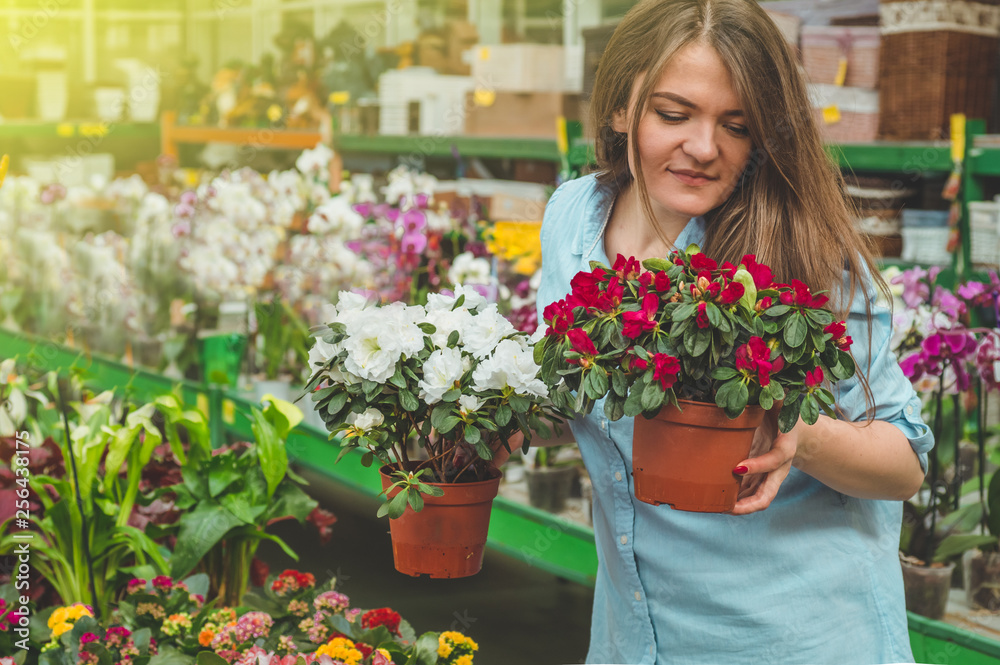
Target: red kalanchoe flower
point(838, 330)
point(661, 282)
point(701, 262)
point(135, 585)
point(87, 638)
point(814, 378)
point(581, 342)
point(762, 275)
point(381, 617)
point(702, 316)
point(732, 293)
point(560, 318)
point(637, 323)
point(665, 370)
point(755, 356)
point(364, 649)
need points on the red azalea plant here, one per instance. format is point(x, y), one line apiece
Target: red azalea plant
point(688, 328)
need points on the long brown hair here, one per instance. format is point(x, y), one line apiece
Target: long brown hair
point(789, 206)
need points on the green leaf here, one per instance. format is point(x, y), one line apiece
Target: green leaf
point(425, 650)
point(336, 403)
point(619, 383)
point(282, 415)
point(765, 400)
point(957, 544)
point(397, 506)
point(809, 410)
point(503, 415)
point(724, 373)
point(600, 381)
point(200, 530)
point(653, 396)
point(414, 499)
point(795, 331)
point(714, 315)
point(453, 338)
point(614, 407)
point(472, 434)
point(397, 378)
point(209, 658)
point(789, 415)
point(449, 423)
point(820, 317)
point(776, 310)
point(270, 449)
point(408, 400)
point(519, 403)
point(684, 312)
point(633, 403)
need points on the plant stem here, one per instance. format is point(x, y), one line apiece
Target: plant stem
point(981, 442)
point(930, 545)
point(957, 425)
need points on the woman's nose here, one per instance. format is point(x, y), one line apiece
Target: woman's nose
point(701, 143)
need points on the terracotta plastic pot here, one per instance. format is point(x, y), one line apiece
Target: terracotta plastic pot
point(446, 539)
point(927, 588)
point(686, 458)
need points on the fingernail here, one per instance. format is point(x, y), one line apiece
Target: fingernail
point(740, 470)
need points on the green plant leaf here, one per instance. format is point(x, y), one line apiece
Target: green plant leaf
point(200, 530)
point(408, 400)
point(270, 448)
point(957, 544)
point(448, 424)
point(519, 403)
point(209, 658)
point(776, 310)
point(724, 373)
point(614, 407)
point(653, 396)
point(283, 415)
point(820, 317)
point(397, 505)
point(789, 415)
point(795, 331)
point(503, 415)
point(472, 434)
point(684, 312)
point(425, 650)
point(809, 410)
point(633, 403)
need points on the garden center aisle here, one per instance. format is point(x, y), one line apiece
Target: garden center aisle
point(519, 615)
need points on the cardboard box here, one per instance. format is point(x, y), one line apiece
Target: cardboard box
point(431, 52)
point(513, 208)
point(514, 114)
point(461, 36)
point(520, 68)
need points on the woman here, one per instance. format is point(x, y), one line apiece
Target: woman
point(705, 135)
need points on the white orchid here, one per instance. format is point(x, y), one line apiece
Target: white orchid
point(469, 269)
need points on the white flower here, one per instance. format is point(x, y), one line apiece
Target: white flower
point(398, 329)
point(484, 331)
point(469, 404)
point(468, 269)
point(321, 353)
point(443, 368)
point(315, 162)
point(336, 216)
point(446, 322)
point(367, 355)
point(348, 301)
point(366, 421)
point(511, 365)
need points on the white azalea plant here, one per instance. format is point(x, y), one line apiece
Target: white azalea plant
point(453, 374)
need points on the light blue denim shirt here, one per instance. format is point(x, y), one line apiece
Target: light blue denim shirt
point(815, 578)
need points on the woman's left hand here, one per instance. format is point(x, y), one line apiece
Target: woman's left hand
point(767, 467)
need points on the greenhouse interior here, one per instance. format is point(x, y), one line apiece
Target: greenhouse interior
point(285, 378)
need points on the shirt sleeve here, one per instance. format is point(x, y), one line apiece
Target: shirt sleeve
point(549, 289)
point(895, 400)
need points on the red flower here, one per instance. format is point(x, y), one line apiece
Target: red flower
point(364, 649)
point(764, 303)
point(661, 282)
point(559, 317)
point(645, 279)
point(163, 582)
point(762, 276)
point(755, 356)
point(626, 269)
point(701, 262)
point(259, 570)
point(732, 293)
point(728, 270)
point(803, 296)
point(665, 370)
point(323, 520)
point(702, 317)
point(581, 342)
point(587, 285)
point(637, 323)
point(381, 617)
point(610, 298)
point(814, 378)
point(838, 331)
point(636, 363)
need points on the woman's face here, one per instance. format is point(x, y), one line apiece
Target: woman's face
point(693, 138)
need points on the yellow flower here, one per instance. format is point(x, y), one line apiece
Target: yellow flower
point(4, 164)
point(444, 648)
point(60, 628)
point(519, 242)
point(274, 113)
point(57, 617)
point(342, 649)
point(464, 660)
point(78, 610)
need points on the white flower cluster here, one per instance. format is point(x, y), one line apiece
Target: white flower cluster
point(469, 269)
point(379, 337)
point(405, 185)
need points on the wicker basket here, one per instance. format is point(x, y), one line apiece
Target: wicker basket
point(824, 46)
point(857, 108)
point(937, 58)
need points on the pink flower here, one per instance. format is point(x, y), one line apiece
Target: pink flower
point(700, 262)
point(581, 342)
point(666, 370)
point(639, 322)
point(814, 378)
point(413, 243)
point(702, 317)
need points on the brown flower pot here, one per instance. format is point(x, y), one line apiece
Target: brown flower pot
point(446, 539)
point(982, 580)
point(686, 458)
point(926, 588)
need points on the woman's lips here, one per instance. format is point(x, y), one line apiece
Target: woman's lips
point(692, 178)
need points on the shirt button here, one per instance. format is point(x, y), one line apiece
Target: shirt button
point(909, 410)
point(618, 476)
point(604, 425)
point(638, 596)
point(624, 540)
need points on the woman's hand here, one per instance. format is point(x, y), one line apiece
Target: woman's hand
point(770, 460)
point(501, 454)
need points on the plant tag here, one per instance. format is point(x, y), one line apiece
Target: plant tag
point(831, 114)
point(482, 97)
point(228, 412)
point(202, 403)
point(841, 72)
point(340, 97)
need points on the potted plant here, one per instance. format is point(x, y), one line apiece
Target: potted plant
point(701, 351)
point(454, 375)
point(549, 481)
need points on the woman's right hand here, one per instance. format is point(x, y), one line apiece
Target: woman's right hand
point(501, 454)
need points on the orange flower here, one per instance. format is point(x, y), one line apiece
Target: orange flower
point(205, 637)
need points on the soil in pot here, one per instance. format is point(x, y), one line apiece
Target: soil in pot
point(686, 458)
point(926, 587)
point(548, 487)
point(982, 580)
point(447, 538)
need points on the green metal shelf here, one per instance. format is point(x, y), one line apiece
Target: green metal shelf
point(445, 146)
point(78, 129)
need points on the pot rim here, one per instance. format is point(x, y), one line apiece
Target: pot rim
point(495, 476)
point(751, 417)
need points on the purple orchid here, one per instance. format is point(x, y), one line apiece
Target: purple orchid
point(414, 221)
point(413, 243)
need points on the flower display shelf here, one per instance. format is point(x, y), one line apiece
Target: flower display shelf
point(533, 536)
point(172, 134)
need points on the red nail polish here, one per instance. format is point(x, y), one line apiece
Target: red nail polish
point(740, 470)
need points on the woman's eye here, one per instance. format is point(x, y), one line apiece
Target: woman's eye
point(738, 130)
point(670, 117)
